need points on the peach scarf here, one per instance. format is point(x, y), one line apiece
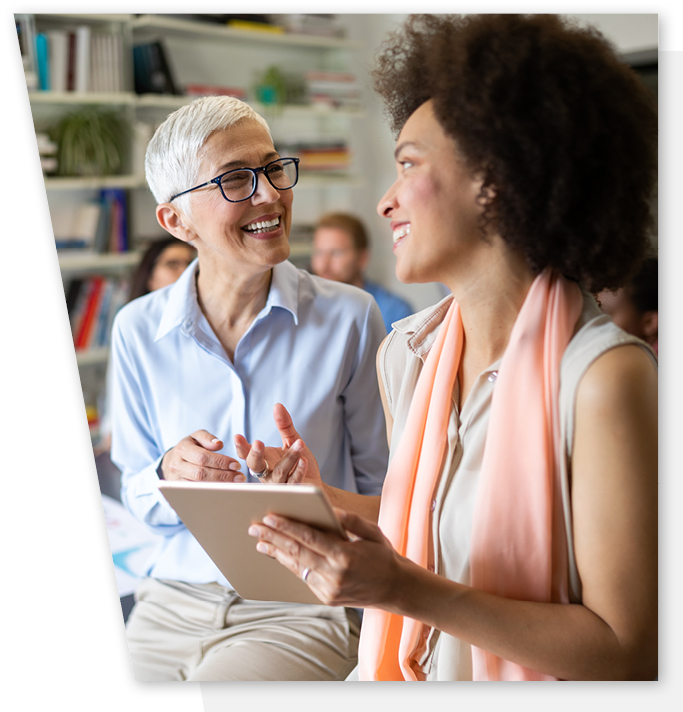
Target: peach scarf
point(518, 547)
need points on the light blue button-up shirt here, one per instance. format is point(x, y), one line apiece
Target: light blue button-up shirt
point(312, 348)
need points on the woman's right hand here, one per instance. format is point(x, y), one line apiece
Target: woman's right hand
point(195, 458)
point(293, 463)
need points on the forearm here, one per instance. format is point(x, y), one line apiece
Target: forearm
point(364, 505)
point(569, 642)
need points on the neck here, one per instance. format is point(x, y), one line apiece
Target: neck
point(231, 302)
point(490, 295)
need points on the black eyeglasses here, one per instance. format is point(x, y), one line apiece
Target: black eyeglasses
point(240, 184)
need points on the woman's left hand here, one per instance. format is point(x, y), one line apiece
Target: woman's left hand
point(358, 572)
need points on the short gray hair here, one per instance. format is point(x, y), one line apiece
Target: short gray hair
point(172, 158)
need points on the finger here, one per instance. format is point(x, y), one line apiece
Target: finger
point(242, 446)
point(193, 473)
point(285, 425)
point(359, 526)
point(285, 467)
point(197, 456)
point(256, 458)
point(205, 439)
point(290, 553)
point(299, 472)
point(316, 540)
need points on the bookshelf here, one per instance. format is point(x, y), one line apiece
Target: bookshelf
point(200, 53)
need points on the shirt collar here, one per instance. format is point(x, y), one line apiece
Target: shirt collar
point(422, 326)
point(182, 308)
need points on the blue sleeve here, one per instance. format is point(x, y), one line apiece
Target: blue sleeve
point(134, 448)
point(364, 415)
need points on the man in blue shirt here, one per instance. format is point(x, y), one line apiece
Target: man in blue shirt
point(207, 358)
point(341, 253)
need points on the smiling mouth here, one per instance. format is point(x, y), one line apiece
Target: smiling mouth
point(262, 226)
point(400, 232)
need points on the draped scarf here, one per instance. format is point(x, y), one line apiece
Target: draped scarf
point(518, 547)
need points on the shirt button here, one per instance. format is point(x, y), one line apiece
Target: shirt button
point(492, 376)
point(431, 568)
point(433, 505)
point(425, 633)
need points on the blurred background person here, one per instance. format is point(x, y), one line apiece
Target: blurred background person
point(634, 307)
point(161, 264)
point(341, 252)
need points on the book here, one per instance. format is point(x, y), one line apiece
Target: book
point(43, 61)
point(89, 311)
point(152, 70)
point(26, 34)
point(82, 59)
point(58, 48)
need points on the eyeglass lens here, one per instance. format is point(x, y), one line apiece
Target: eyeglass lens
point(240, 185)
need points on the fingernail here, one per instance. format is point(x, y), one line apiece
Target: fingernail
point(253, 531)
point(239, 478)
point(215, 440)
point(298, 446)
point(262, 547)
point(270, 521)
point(300, 464)
point(234, 466)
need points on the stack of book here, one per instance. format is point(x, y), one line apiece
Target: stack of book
point(324, 155)
point(97, 226)
point(78, 60)
point(92, 303)
point(339, 90)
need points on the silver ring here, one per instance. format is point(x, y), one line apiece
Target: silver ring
point(305, 573)
point(264, 473)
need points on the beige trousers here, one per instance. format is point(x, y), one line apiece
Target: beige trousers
point(205, 632)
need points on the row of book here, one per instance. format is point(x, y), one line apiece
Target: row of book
point(96, 226)
point(319, 155)
point(92, 303)
point(339, 90)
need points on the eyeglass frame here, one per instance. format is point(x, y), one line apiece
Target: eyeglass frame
point(254, 171)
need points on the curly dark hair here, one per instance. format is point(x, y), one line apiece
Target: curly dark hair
point(550, 117)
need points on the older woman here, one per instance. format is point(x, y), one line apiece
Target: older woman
point(517, 535)
point(196, 362)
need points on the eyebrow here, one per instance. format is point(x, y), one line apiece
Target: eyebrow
point(273, 155)
point(403, 145)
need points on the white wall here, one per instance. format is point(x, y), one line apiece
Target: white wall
point(373, 144)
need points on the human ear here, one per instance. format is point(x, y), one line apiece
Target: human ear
point(173, 221)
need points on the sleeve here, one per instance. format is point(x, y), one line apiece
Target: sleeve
point(134, 448)
point(363, 412)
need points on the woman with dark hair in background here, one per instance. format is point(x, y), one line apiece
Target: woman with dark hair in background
point(517, 530)
point(161, 264)
point(635, 306)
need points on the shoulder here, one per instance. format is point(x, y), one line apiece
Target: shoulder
point(596, 339)
point(623, 377)
point(143, 314)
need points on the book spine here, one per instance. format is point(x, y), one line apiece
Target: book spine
point(43, 61)
point(82, 66)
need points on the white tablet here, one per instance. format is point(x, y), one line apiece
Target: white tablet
point(219, 514)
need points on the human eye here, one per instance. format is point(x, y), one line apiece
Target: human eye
point(235, 179)
point(275, 168)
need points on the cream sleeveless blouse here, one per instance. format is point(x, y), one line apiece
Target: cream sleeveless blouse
point(444, 657)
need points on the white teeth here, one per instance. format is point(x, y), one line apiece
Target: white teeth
point(401, 231)
point(262, 226)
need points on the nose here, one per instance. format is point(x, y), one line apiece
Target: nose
point(265, 193)
point(387, 203)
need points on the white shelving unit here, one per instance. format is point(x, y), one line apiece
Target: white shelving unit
point(203, 53)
